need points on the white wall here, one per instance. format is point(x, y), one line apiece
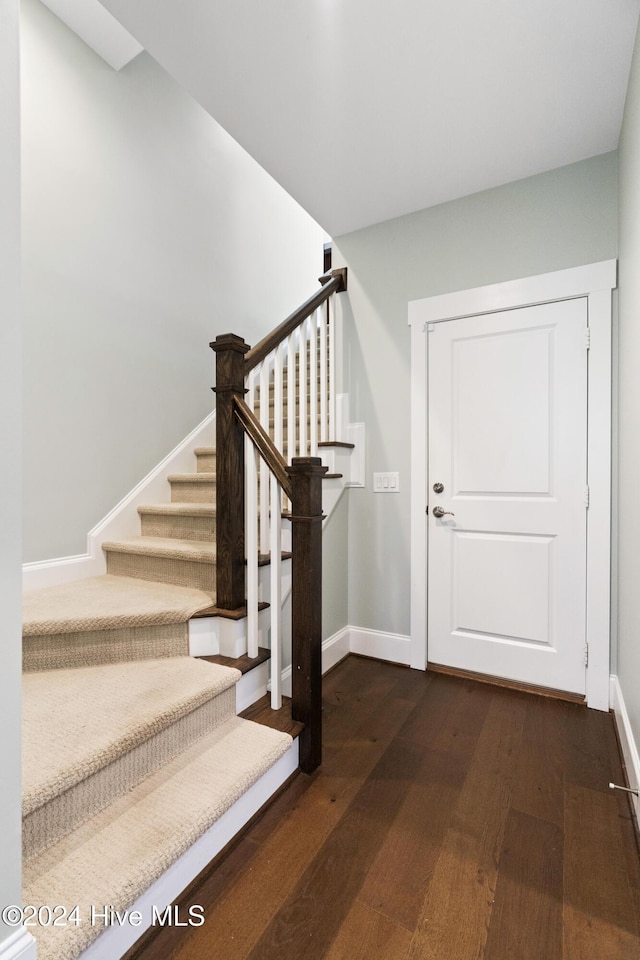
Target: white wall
point(147, 232)
point(629, 402)
point(559, 219)
point(10, 580)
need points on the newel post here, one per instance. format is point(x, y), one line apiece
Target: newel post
point(306, 605)
point(230, 565)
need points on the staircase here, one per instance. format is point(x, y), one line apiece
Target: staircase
point(137, 769)
point(132, 749)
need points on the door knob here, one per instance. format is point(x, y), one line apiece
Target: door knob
point(439, 512)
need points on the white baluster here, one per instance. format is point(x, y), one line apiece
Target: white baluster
point(332, 375)
point(323, 372)
point(291, 397)
point(312, 327)
point(302, 389)
point(275, 596)
point(251, 531)
point(264, 470)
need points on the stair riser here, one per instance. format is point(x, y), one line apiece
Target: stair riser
point(206, 463)
point(178, 528)
point(62, 814)
point(67, 650)
point(193, 492)
point(184, 573)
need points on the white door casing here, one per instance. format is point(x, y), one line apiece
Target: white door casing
point(593, 282)
point(507, 438)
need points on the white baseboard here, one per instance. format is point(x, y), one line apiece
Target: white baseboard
point(627, 740)
point(123, 521)
point(334, 649)
point(116, 940)
point(19, 945)
point(394, 647)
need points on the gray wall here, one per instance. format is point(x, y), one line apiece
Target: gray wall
point(335, 568)
point(147, 232)
point(629, 402)
point(555, 220)
point(10, 647)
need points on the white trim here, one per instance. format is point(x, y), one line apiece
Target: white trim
point(627, 740)
point(204, 640)
point(116, 940)
point(598, 621)
point(594, 281)
point(393, 647)
point(252, 685)
point(334, 649)
point(527, 291)
point(123, 521)
point(19, 945)
point(354, 433)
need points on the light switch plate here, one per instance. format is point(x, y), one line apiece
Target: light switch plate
point(386, 483)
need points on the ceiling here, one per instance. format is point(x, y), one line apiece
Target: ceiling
point(365, 110)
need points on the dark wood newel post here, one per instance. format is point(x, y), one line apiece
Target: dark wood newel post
point(306, 605)
point(230, 566)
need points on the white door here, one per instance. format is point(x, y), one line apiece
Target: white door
point(508, 443)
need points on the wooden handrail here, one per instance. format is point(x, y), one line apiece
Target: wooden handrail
point(262, 441)
point(336, 283)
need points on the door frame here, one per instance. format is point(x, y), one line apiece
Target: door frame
point(594, 281)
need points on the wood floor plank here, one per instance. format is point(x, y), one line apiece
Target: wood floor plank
point(399, 877)
point(600, 908)
point(348, 702)
point(457, 908)
point(307, 923)
point(539, 784)
point(589, 740)
point(432, 711)
point(466, 712)
point(367, 935)
point(526, 919)
point(452, 717)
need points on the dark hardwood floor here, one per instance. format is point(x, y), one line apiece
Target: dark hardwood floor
point(451, 820)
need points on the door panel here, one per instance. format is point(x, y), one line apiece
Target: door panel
point(502, 460)
point(507, 439)
point(501, 585)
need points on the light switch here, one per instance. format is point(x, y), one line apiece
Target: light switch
point(386, 483)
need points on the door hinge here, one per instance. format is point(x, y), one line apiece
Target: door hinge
point(586, 654)
point(586, 496)
point(588, 337)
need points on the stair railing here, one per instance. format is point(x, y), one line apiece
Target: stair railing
point(253, 475)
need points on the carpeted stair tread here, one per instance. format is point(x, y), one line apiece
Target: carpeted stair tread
point(179, 509)
point(204, 477)
point(194, 550)
point(205, 451)
point(119, 853)
point(78, 721)
point(108, 603)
